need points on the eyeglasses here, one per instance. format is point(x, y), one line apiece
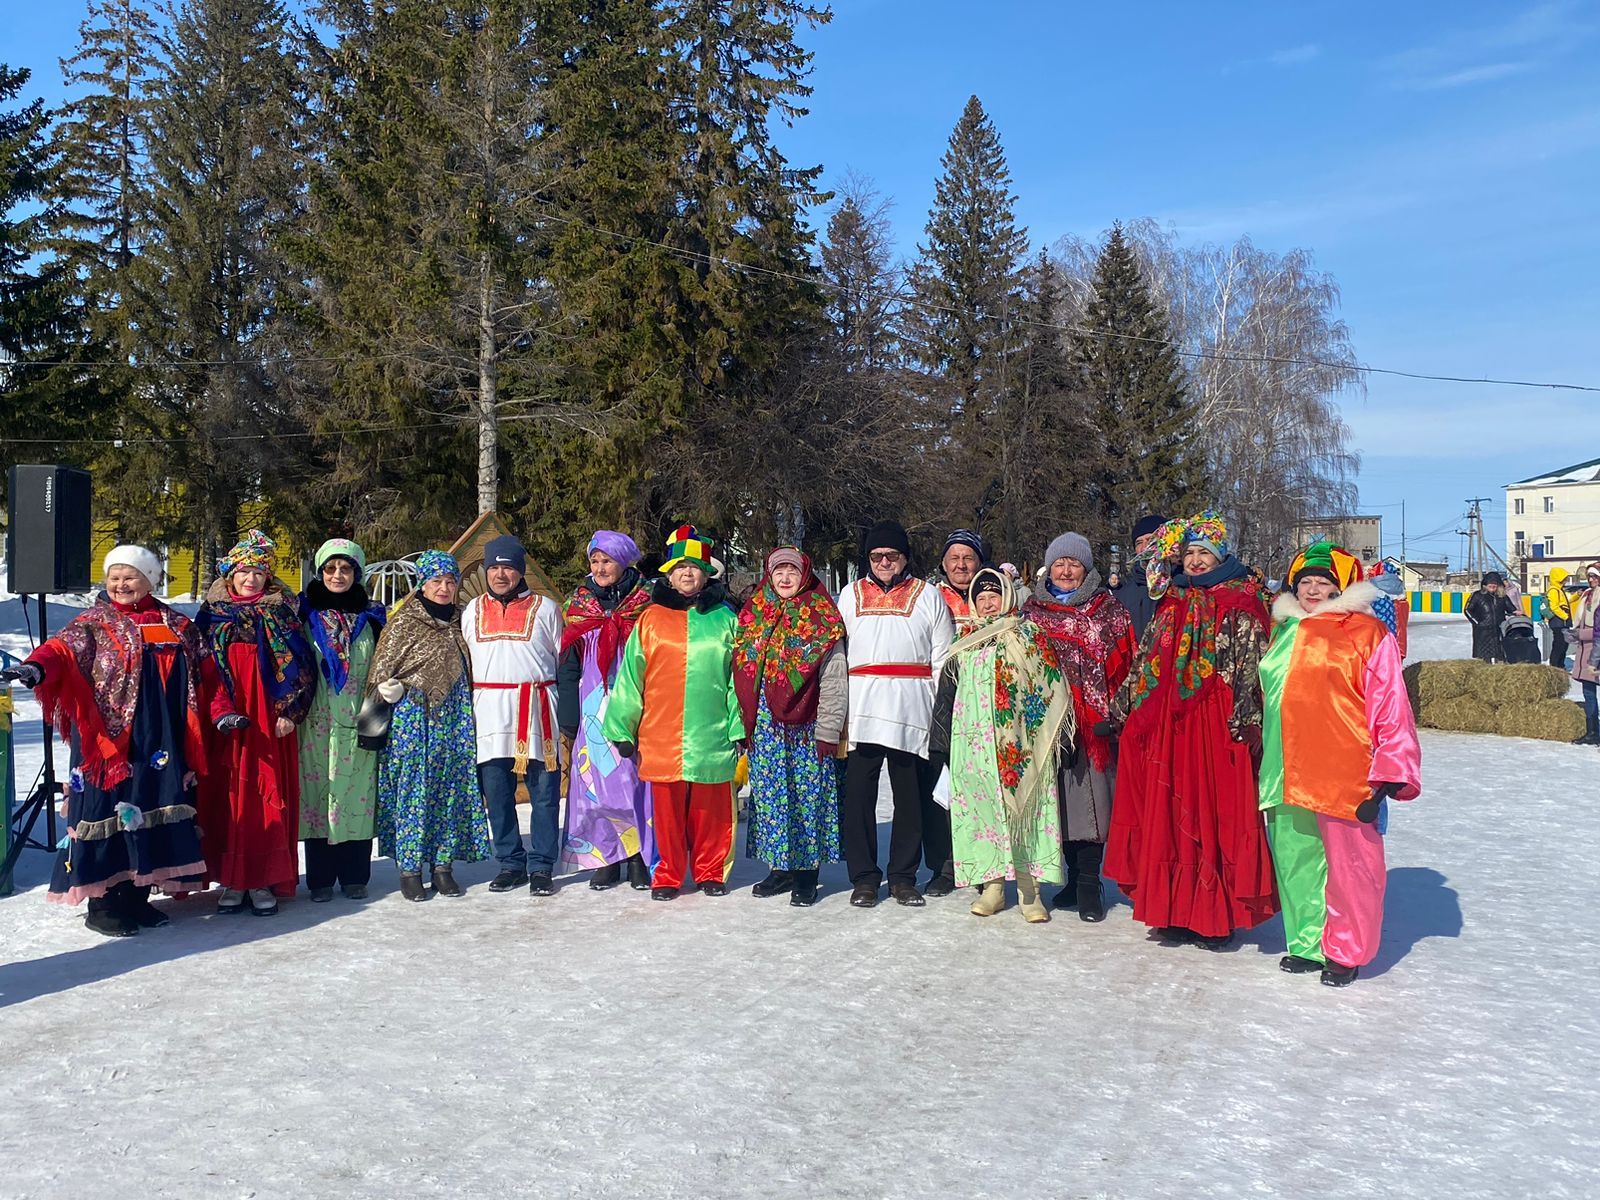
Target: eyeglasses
point(885, 556)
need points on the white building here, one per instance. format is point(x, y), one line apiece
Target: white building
point(1361, 535)
point(1553, 520)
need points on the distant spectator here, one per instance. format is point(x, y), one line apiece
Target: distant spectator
point(1585, 666)
point(1486, 608)
point(1558, 615)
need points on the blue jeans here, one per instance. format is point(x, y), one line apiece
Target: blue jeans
point(1591, 708)
point(499, 787)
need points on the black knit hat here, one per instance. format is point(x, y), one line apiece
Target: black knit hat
point(886, 535)
point(1494, 577)
point(1147, 525)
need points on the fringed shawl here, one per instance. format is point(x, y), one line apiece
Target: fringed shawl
point(284, 655)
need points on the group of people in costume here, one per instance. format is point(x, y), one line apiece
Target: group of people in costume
point(1217, 751)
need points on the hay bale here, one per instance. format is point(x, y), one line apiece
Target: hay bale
point(1547, 720)
point(1518, 684)
point(1459, 714)
point(1445, 679)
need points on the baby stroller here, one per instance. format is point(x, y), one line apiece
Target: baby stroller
point(1519, 640)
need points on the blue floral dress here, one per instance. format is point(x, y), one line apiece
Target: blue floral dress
point(794, 797)
point(429, 807)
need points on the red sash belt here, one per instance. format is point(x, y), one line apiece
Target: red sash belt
point(524, 716)
point(894, 670)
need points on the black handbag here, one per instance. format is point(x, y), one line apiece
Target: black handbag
point(372, 722)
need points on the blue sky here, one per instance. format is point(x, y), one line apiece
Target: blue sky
point(1441, 160)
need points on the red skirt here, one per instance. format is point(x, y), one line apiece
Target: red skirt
point(250, 814)
point(1188, 844)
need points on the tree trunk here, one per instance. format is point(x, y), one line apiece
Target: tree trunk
point(488, 387)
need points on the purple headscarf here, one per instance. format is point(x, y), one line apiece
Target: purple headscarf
point(616, 546)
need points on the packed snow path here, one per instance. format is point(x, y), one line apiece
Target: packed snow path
point(599, 1044)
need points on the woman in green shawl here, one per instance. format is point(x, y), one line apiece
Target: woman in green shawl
point(1002, 711)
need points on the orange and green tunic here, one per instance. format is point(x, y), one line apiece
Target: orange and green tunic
point(674, 696)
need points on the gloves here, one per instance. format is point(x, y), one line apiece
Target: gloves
point(1104, 728)
point(233, 723)
point(391, 690)
point(1367, 810)
point(29, 675)
point(625, 749)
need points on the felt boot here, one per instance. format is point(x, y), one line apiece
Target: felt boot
point(1033, 909)
point(991, 899)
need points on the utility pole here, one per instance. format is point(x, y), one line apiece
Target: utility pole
point(1402, 534)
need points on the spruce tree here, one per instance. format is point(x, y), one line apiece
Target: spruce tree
point(1126, 361)
point(965, 292)
point(52, 397)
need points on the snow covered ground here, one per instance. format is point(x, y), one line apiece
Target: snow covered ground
point(600, 1045)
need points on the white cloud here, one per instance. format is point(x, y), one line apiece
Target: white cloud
point(1466, 77)
point(1294, 55)
point(1485, 53)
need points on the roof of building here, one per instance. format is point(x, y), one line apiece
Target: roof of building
point(1584, 472)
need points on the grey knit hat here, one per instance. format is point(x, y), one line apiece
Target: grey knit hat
point(1070, 545)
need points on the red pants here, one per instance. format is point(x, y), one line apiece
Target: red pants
point(697, 818)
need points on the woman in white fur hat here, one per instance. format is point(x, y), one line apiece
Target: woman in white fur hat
point(129, 683)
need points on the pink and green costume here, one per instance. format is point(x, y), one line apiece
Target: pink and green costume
point(1337, 723)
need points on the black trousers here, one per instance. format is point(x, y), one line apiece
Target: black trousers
point(858, 818)
point(1558, 642)
point(344, 863)
point(936, 846)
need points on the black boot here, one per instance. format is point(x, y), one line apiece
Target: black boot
point(606, 877)
point(134, 905)
point(774, 884)
point(805, 889)
point(1337, 975)
point(713, 887)
point(105, 917)
point(444, 882)
point(663, 893)
point(864, 895)
point(1296, 965)
point(1091, 897)
point(940, 885)
point(411, 887)
point(541, 884)
point(508, 881)
point(638, 874)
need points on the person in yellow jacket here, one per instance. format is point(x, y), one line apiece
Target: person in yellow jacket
point(1558, 615)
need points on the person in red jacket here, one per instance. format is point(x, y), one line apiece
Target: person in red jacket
point(130, 684)
point(1092, 635)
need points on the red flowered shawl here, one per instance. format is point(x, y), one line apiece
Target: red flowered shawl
point(779, 648)
point(96, 695)
point(1095, 646)
point(584, 613)
point(1183, 636)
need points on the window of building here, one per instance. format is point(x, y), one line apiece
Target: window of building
point(1520, 543)
point(1516, 506)
point(1549, 504)
point(1550, 546)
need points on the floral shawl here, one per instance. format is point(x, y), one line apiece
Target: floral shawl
point(97, 697)
point(1008, 668)
point(779, 648)
point(1092, 636)
point(285, 658)
point(1182, 641)
point(586, 612)
point(334, 628)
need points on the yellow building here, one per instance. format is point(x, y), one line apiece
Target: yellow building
point(179, 561)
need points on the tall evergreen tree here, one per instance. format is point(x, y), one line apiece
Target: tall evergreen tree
point(51, 397)
point(208, 282)
point(1124, 357)
point(965, 294)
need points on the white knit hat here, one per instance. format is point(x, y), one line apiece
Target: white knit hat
point(141, 560)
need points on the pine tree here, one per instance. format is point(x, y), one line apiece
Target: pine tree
point(1125, 359)
point(965, 294)
point(50, 398)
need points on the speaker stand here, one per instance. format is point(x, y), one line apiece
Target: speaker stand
point(43, 799)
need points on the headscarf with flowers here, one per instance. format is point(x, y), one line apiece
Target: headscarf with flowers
point(1010, 686)
point(268, 622)
point(780, 645)
point(254, 550)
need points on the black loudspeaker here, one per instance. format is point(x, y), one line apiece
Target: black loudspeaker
point(47, 542)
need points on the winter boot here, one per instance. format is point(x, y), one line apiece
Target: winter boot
point(663, 893)
point(321, 895)
point(263, 903)
point(1033, 909)
point(940, 885)
point(1338, 975)
point(231, 902)
point(105, 917)
point(606, 878)
point(411, 887)
point(906, 895)
point(444, 882)
point(638, 874)
point(1296, 965)
point(1091, 897)
point(541, 884)
point(355, 891)
point(774, 884)
point(991, 899)
point(134, 905)
point(713, 887)
point(804, 893)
